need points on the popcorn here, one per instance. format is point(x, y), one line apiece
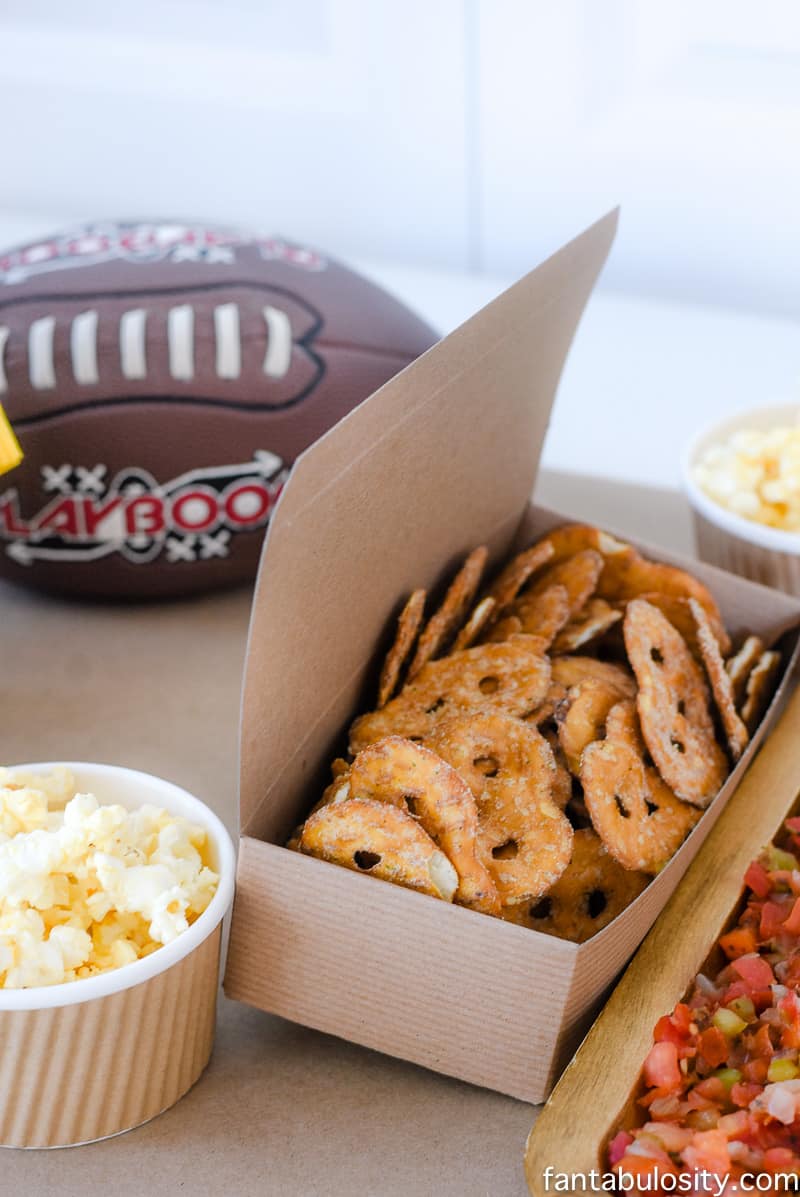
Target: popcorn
point(756, 474)
point(85, 887)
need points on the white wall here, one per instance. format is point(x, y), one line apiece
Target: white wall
point(467, 134)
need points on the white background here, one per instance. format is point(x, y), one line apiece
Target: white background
point(449, 145)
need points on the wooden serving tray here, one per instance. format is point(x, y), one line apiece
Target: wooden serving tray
point(602, 1079)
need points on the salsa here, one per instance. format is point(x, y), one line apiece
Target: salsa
point(722, 1079)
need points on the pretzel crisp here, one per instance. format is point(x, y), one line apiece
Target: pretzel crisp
point(569, 671)
point(542, 614)
point(578, 575)
point(510, 770)
point(408, 624)
point(480, 617)
point(512, 677)
point(589, 625)
point(514, 576)
point(443, 623)
point(736, 733)
point(417, 780)
point(581, 718)
point(759, 689)
point(592, 891)
point(678, 612)
point(673, 706)
point(382, 840)
point(740, 666)
point(638, 818)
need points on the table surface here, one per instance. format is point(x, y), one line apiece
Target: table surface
point(281, 1109)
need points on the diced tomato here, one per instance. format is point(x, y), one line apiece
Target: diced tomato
point(676, 1027)
point(755, 1071)
point(618, 1146)
point(709, 1150)
point(661, 1069)
point(743, 1092)
point(641, 1165)
point(757, 878)
point(780, 1159)
point(773, 915)
point(792, 824)
point(760, 1044)
point(792, 924)
point(754, 971)
point(713, 1047)
point(708, 1092)
point(740, 941)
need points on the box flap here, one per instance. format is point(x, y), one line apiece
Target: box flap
point(462, 429)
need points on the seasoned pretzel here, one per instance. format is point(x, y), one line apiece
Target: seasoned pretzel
point(589, 625)
point(569, 671)
point(581, 718)
point(443, 623)
point(417, 780)
point(592, 891)
point(408, 625)
point(638, 818)
point(511, 771)
point(578, 575)
point(679, 614)
point(512, 677)
point(382, 840)
point(673, 706)
point(736, 733)
point(740, 666)
point(481, 616)
point(511, 579)
point(759, 689)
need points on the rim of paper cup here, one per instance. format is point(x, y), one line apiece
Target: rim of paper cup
point(775, 539)
point(155, 791)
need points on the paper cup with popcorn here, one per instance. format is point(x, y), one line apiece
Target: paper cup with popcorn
point(113, 888)
point(742, 476)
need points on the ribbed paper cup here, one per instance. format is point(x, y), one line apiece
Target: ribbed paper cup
point(92, 1058)
point(766, 555)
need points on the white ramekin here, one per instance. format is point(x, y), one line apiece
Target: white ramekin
point(766, 555)
point(92, 1058)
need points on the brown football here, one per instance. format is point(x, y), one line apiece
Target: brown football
point(162, 377)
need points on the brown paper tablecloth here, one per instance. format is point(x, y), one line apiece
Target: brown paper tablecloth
point(281, 1109)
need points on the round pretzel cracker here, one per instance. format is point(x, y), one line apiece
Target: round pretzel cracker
point(634, 576)
point(481, 616)
point(382, 840)
point(511, 771)
point(541, 613)
point(407, 775)
point(443, 623)
point(408, 625)
point(593, 890)
point(636, 815)
point(736, 733)
point(589, 625)
point(570, 539)
point(759, 688)
point(513, 576)
point(678, 612)
point(513, 677)
point(581, 718)
point(741, 664)
point(570, 671)
point(673, 706)
point(578, 575)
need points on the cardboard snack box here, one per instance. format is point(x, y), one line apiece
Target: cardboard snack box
point(442, 458)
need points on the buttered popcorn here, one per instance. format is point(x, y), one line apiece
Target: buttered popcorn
point(756, 474)
point(85, 888)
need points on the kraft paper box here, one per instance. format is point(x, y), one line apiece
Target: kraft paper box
point(442, 458)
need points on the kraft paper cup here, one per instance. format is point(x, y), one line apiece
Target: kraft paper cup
point(766, 555)
point(92, 1058)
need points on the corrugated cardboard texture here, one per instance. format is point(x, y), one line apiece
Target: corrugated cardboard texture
point(76, 1073)
point(441, 458)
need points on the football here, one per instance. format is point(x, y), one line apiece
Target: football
point(161, 378)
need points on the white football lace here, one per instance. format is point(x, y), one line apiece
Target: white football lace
point(133, 347)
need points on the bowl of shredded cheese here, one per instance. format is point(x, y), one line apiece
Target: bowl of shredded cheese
point(113, 888)
point(742, 477)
